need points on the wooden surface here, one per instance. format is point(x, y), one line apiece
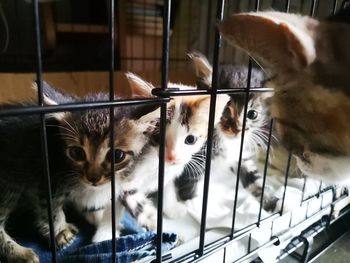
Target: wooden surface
point(17, 87)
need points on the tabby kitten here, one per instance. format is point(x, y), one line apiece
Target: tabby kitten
point(307, 63)
point(94, 203)
point(79, 159)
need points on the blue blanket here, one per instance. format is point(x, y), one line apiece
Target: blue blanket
point(134, 244)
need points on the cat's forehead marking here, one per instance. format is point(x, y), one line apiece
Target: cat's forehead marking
point(92, 149)
point(171, 112)
point(96, 121)
point(88, 149)
point(186, 113)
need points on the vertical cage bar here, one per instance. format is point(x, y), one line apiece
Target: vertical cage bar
point(287, 7)
point(247, 92)
point(241, 146)
point(155, 46)
point(111, 118)
point(257, 5)
point(313, 8)
point(144, 34)
point(286, 181)
point(207, 46)
point(249, 243)
point(215, 79)
point(163, 114)
point(303, 191)
point(43, 134)
point(335, 5)
point(319, 189)
point(265, 171)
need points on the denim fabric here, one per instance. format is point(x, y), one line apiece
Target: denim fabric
point(129, 248)
point(136, 244)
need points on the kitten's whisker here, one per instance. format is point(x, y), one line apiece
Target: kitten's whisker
point(258, 141)
point(194, 168)
point(62, 127)
point(76, 126)
point(73, 130)
point(199, 162)
point(74, 139)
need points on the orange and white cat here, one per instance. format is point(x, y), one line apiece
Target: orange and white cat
point(307, 62)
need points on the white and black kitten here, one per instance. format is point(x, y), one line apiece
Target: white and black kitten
point(227, 135)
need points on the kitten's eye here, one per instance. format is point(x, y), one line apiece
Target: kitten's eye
point(77, 153)
point(252, 114)
point(119, 155)
point(190, 139)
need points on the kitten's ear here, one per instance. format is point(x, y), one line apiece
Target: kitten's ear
point(149, 123)
point(202, 69)
point(202, 104)
point(277, 41)
point(50, 95)
point(53, 96)
point(47, 99)
point(139, 87)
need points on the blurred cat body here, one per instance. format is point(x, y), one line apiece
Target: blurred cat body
point(307, 64)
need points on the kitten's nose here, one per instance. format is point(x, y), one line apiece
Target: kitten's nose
point(93, 178)
point(171, 156)
point(170, 153)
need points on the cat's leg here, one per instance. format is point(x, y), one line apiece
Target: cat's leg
point(141, 208)
point(104, 226)
point(64, 232)
point(172, 207)
point(13, 252)
point(333, 169)
point(9, 249)
point(252, 180)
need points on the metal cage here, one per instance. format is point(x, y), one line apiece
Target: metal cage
point(328, 201)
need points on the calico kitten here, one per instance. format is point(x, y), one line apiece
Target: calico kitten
point(186, 133)
point(307, 63)
point(79, 159)
point(227, 136)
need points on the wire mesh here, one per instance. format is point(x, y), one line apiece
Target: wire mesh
point(205, 249)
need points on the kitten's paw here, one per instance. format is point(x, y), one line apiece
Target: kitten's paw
point(25, 255)
point(148, 218)
point(66, 236)
point(141, 208)
point(176, 210)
